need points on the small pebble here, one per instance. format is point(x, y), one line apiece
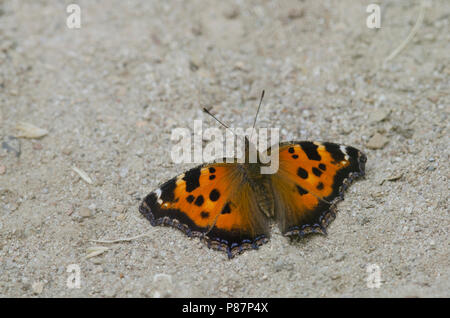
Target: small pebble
point(30, 131)
point(379, 115)
point(231, 13)
point(240, 66)
point(99, 180)
point(336, 277)
point(279, 265)
point(121, 217)
point(194, 63)
point(139, 124)
point(432, 243)
point(377, 141)
point(139, 152)
point(296, 13)
point(97, 261)
point(363, 220)
point(37, 287)
point(85, 213)
point(123, 172)
point(82, 174)
point(12, 206)
point(331, 88)
point(121, 91)
point(97, 269)
point(12, 145)
point(37, 146)
point(120, 208)
point(340, 257)
point(67, 151)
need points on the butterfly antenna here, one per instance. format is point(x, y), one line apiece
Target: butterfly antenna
point(259, 106)
point(257, 112)
point(209, 113)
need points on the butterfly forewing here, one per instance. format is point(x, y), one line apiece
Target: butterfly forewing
point(311, 178)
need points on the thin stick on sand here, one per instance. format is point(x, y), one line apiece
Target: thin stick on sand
point(411, 34)
point(126, 239)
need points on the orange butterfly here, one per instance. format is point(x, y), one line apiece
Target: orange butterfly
point(230, 205)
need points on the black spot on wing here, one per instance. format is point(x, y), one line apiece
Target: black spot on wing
point(214, 195)
point(199, 201)
point(291, 150)
point(192, 178)
point(226, 209)
point(204, 214)
point(294, 156)
point(320, 186)
point(316, 172)
point(190, 198)
point(167, 190)
point(322, 167)
point(300, 190)
point(310, 150)
point(334, 151)
point(212, 169)
point(302, 173)
point(212, 177)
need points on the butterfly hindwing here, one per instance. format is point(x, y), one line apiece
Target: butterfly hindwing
point(212, 201)
point(311, 179)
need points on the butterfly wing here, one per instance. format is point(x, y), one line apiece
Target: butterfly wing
point(311, 179)
point(213, 201)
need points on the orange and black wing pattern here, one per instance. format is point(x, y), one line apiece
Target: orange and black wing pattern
point(213, 202)
point(311, 179)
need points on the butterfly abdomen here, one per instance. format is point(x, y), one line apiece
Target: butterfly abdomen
point(263, 191)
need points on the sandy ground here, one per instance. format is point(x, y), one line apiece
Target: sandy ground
point(110, 93)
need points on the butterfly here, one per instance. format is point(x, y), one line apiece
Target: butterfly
point(230, 206)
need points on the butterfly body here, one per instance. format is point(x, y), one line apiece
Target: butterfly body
point(231, 205)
